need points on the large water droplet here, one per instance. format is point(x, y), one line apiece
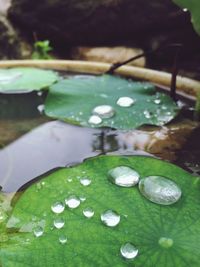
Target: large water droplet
point(128, 251)
point(95, 120)
point(58, 207)
point(88, 212)
point(123, 176)
point(125, 101)
point(110, 218)
point(85, 181)
point(72, 202)
point(104, 111)
point(59, 223)
point(160, 190)
point(165, 242)
point(63, 239)
point(38, 231)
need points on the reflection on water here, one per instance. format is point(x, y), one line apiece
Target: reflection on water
point(163, 142)
point(189, 155)
point(36, 145)
point(50, 145)
point(56, 144)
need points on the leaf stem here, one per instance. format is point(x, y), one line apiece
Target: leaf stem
point(175, 70)
point(102, 142)
point(117, 65)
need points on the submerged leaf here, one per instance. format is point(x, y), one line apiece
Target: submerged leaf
point(109, 101)
point(133, 232)
point(26, 79)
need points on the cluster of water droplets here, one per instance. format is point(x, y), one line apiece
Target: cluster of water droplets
point(106, 111)
point(162, 114)
point(157, 189)
point(101, 112)
point(58, 207)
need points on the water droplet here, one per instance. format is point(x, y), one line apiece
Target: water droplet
point(124, 176)
point(147, 114)
point(157, 101)
point(59, 223)
point(63, 239)
point(39, 93)
point(88, 212)
point(38, 231)
point(82, 198)
point(180, 104)
point(160, 190)
point(95, 119)
point(72, 202)
point(125, 101)
point(129, 251)
point(58, 207)
point(40, 108)
point(85, 181)
point(165, 242)
point(110, 218)
point(104, 111)
point(185, 10)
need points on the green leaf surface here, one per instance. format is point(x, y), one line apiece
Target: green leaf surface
point(74, 99)
point(194, 7)
point(89, 241)
point(26, 79)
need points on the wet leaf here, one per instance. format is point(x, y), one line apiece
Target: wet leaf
point(74, 100)
point(26, 79)
point(194, 7)
point(163, 235)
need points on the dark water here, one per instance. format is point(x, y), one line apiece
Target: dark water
point(31, 144)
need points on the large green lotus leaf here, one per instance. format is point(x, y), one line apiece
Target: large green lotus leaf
point(194, 7)
point(89, 241)
point(74, 99)
point(26, 79)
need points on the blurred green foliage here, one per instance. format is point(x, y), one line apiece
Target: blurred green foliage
point(42, 50)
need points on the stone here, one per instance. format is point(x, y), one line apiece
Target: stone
point(11, 44)
point(109, 54)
